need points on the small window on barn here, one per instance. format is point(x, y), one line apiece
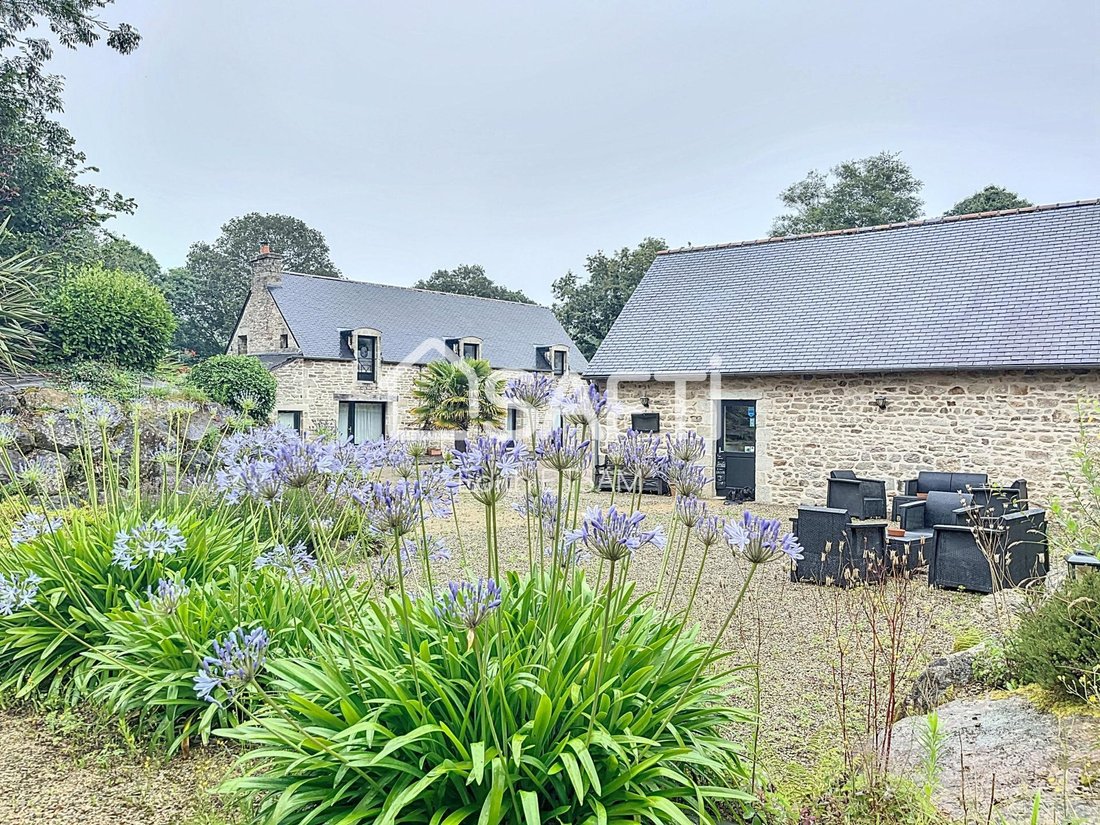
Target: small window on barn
point(646, 422)
point(366, 347)
point(291, 419)
point(242, 345)
point(284, 341)
point(559, 362)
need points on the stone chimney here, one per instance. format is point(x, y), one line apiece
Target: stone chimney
point(267, 268)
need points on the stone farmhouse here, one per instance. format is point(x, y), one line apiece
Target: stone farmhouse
point(345, 353)
point(952, 344)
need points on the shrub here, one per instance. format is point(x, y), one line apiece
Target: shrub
point(102, 314)
point(238, 381)
point(21, 313)
point(145, 669)
point(485, 725)
point(1057, 645)
point(104, 379)
point(42, 648)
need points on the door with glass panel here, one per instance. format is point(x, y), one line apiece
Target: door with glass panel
point(735, 456)
point(361, 421)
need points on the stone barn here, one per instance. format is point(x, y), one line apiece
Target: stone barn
point(955, 343)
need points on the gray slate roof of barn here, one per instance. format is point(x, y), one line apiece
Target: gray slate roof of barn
point(1011, 289)
point(318, 308)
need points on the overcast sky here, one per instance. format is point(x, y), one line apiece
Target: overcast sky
point(526, 136)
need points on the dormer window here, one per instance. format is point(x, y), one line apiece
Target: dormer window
point(559, 362)
point(471, 350)
point(366, 351)
point(553, 358)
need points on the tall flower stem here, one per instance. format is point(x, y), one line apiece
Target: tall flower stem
point(679, 569)
point(406, 621)
point(596, 690)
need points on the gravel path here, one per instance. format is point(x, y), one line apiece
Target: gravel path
point(50, 775)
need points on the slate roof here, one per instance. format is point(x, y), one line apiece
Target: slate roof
point(1012, 289)
point(318, 308)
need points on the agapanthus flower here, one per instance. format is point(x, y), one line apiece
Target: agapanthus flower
point(256, 479)
point(38, 475)
point(613, 454)
point(689, 510)
point(296, 562)
point(585, 407)
point(16, 592)
point(485, 466)
point(641, 458)
point(687, 447)
point(708, 530)
point(297, 462)
point(436, 549)
point(384, 570)
point(468, 603)
point(154, 539)
point(393, 506)
point(532, 391)
point(686, 479)
point(563, 449)
point(614, 535)
point(168, 595)
point(257, 442)
point(31, 526)
point(7, 433)
point(542, 507)
point(438, 484)
point(760, 540)
point(98, 412)
point(237, 659)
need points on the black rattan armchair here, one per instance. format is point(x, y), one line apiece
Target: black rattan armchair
point(835, 550)
point(861, 497)
point(990, 555)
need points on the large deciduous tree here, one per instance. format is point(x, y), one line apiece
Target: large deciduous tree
point(470, 279)
point(989, 199)
point(588, 308)
point(868, 192)
point(207, 293)
point(42, 192)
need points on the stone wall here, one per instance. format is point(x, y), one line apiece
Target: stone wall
point(261, 319)
point(1021, 424)
point(316, 387)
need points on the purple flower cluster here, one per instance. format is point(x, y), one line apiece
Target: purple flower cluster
point(237, 660)
point(687, 447)
point(585, 407)
point(614, 535)
point(393, 506)
point(689, 510)
point(168, 595)
point(532, 391)
point(97, 412)
point(295, 562)
point(543, 507)
point(760, 540)
point(154, 539)
point(708, 530)
point(485, 466)
point(467, 603)
point(16, 592)
point(31, 526)
point(436, 549)
point(641, 455)
point(261, 463)
point(685, 478)
point(563, 449)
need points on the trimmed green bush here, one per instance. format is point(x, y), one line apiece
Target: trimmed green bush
point(238, 381)
point(1058, 644)
point(102, 314)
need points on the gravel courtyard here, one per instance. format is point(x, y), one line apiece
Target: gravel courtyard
point(48, 776)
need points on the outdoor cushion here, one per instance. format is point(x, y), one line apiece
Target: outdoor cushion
point(939, 508)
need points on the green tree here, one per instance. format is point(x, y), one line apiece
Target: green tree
point(587, 309)
point(99, 314)
point(868, 192)
point(42, 192)
point(115, 252)
point(207, 293)
point(989, 199)
point(470, 279)
point(443, 390)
